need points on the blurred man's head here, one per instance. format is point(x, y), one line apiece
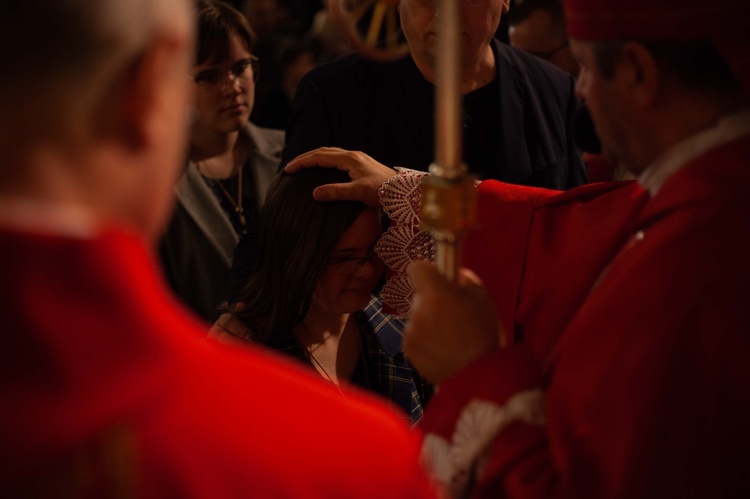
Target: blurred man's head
point(655, 74)
point(94, 104)
point(538, 27)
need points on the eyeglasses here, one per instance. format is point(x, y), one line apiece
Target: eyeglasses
point(351, 265)
point(238, 71)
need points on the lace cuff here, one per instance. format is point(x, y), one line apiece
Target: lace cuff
point(458, 463)
point(404, 242)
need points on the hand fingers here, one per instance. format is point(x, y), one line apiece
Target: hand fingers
point(333, 192)
point(425, 275)
point(325, 157)
point(367, 174)
point(467, 278)
point(434, 335)
point(452, 323)
point(350, 191)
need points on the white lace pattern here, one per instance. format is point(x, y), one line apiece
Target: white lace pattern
point(457, 464)
point(404, 242)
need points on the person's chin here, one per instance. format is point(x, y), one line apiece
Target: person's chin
point(235, 123)
point(358, 299)
point(239, 111)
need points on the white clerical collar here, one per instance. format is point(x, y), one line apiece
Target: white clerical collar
point(48, 217)
point(726, 130)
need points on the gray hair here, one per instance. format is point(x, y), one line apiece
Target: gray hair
point(58, 55)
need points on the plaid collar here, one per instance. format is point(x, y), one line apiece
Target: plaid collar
point(383, 329)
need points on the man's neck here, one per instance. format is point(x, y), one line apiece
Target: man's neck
point(683, 116)
point(473, 74)
point(47, 216)
point(727, 128)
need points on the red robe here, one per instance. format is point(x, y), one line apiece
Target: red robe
point(633, 314)
point(108, 388)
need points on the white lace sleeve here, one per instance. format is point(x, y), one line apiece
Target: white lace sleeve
point(404, 242)
point(459, 462)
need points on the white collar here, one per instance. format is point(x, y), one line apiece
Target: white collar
point(49, 217)
point(726, 130)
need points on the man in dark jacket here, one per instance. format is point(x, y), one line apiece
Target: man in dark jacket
point(516, 107)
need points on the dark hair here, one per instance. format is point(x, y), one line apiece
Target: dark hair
point(297, 237)
point(217, 22)
point(696, 64)
point(523, 9)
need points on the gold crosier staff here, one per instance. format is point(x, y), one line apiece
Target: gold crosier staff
point(448, 194)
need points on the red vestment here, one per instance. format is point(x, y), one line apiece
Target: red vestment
point(633, 314)
point(108, 388)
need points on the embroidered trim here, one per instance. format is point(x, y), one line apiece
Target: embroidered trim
point(404, 242)
point(459, 463)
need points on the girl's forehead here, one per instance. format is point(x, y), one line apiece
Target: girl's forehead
point(362, 234)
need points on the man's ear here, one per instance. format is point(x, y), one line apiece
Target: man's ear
point(506, 6)
point(152, 87)
point(640, 73)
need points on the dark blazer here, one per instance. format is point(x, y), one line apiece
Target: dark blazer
point(198, 245)
point(386, 111)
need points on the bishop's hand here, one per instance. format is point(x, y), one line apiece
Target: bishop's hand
point(367, 174)
point(451, 324)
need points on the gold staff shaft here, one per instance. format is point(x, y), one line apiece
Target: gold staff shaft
point(448, 194)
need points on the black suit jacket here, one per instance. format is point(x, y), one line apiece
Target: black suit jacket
point(386, 111)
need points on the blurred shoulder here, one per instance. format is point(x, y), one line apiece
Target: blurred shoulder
point(276, 413)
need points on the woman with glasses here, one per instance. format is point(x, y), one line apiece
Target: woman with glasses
point(231, 162)
point(310, 295)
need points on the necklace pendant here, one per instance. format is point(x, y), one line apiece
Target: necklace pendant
point(241, 215)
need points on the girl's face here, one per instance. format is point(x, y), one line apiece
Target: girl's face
point(353, 268)
point(225, 91)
